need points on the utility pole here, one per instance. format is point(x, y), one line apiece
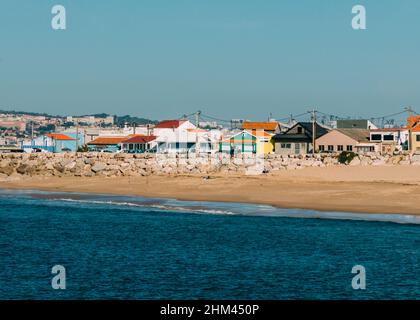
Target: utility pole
point(410, 114)
point(77, 135)
point(32, 132)
point(409, 110)
point(197, 124)
point(313, 118)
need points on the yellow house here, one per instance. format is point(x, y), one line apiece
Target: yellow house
point(248, 141)
point(413, 124)
point(415, 139)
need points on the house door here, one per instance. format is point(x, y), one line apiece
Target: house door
point(297, 148)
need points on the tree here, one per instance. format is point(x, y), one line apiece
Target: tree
point(83, 148)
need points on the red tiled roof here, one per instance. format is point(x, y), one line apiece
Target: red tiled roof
point(270, 126)
point(108, 140)
point(169, 124)
point(59, 136)
point(139, 139)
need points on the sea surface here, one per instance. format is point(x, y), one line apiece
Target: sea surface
point(115, 247)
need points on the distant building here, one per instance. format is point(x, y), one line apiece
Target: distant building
point(298, 139)
point(91, 120)
point(356, 124)
point(11, 124)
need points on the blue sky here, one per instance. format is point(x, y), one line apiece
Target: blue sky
point(242, 59)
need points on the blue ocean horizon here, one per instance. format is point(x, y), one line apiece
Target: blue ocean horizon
point(117, 247)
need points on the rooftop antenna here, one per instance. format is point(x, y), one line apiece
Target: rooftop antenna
point(409, 110)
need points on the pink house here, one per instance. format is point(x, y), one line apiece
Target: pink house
point(338, 140)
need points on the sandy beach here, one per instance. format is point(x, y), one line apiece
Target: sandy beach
point(385, 189)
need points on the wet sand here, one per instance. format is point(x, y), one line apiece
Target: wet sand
point(386, 189)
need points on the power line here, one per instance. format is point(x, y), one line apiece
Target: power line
point(293, 117)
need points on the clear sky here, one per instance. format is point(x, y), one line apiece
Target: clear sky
point(242, 59)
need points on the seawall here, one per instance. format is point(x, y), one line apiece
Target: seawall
point(13, 165)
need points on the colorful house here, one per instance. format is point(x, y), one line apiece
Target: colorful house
point(248, 142)
point(52, 142)
point(413, 125)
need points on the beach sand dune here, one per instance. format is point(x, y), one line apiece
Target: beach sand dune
point(385, 189)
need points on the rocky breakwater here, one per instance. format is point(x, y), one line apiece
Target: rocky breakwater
point(16, 166)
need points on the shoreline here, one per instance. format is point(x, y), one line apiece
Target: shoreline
point(381, 190)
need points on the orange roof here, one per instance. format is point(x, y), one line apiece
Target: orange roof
point(412, 121)
point(259, 133)
point(59, 136)
point(269, 126)
point(196, 130)
point(254, 133)
point(108, 140)
point(416, 128)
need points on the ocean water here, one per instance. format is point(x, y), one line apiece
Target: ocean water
point(117, 247)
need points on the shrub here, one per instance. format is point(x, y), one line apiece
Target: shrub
point(83, 148)
point(346, 157)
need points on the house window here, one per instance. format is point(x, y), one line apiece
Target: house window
point(340, 148)
point(376, 137)
point(388, 137)
point(330, 148)
point(350, 148)
point(418, 137)
point(285, 145)
point(321, 148)
point(299, 130)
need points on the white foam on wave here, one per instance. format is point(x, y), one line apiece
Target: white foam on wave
point(154, 206)
point(256, 210)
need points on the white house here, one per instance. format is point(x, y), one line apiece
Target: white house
point(390, 139)
point(181, 136)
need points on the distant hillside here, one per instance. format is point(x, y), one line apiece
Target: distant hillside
point(119, 120)
point(29, 113)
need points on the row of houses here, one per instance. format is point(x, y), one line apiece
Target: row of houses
point(359, 139)
point(182, 136)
